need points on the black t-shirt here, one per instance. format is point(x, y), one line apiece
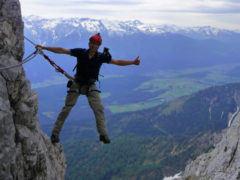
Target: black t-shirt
point(89, 68)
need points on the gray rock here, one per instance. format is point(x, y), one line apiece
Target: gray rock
point(26, 153)
point(223, 162)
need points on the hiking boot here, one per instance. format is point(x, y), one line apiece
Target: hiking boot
point(104, 139)
point(54, 139)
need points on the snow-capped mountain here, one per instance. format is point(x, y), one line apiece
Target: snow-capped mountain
point(159, 46)
point(63, 27)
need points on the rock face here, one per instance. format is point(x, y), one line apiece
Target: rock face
point(26, 153)
point(223, 162)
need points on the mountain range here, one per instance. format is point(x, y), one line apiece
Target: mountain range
point(58, 26)
point(159, 47)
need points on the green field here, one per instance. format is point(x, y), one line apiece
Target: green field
point(172, 84)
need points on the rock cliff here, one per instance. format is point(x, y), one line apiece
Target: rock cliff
point(223, 161)
point(26, 153)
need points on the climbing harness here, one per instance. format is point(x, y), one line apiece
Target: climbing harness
point(34, 54)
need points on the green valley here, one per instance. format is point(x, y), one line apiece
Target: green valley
point(150, 143)
point(166, 119)
point(132, 93)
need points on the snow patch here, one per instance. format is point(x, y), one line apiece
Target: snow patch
point(92, 26)
point(75, 24)
point(175, 177)
point(233, 116)
point(112, 26)
point(34, 32)
point(28, 26)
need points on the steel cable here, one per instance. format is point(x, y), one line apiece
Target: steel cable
point(30, 57)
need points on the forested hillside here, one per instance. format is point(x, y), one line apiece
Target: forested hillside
point(150, 143)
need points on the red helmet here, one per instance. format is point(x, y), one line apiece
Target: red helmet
point(96, 38)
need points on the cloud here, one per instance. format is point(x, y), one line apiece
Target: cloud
point(223, 10)
point(201, 10)
point(195, 6)
point(219, 7)
point(66, 3)
point(108, 2)
point(150, 11)
point(183, 6)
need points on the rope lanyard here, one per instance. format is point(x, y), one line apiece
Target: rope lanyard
point(33, 55)
point(57, 68)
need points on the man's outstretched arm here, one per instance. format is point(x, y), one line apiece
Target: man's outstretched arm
point(126, 62)
point(58, 50)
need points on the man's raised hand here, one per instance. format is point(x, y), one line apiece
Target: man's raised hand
point(136, 61)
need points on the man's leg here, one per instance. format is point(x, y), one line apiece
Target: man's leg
point(70, 101)
point(95, 103)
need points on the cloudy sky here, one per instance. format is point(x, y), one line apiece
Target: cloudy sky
point(217, 13)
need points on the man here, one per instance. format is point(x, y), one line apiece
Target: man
point(89, 62)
